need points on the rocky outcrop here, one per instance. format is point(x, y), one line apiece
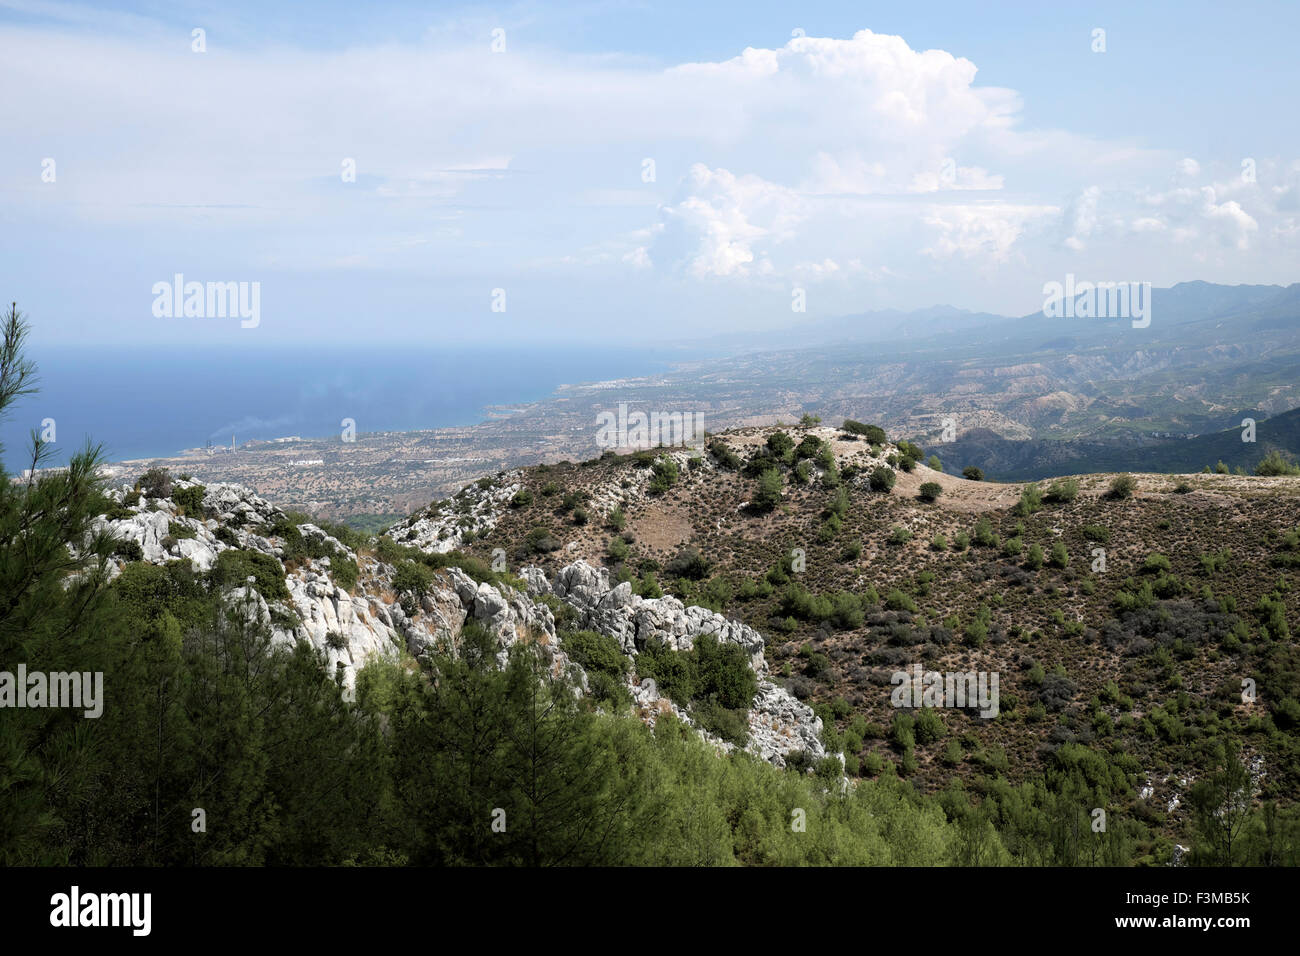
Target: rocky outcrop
point(473, 511)
point(348, 628)
point(779, 724)
point(351, 627)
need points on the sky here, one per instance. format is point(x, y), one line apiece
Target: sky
point(622, 173)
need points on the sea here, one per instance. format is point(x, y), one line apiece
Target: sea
point(153, 403)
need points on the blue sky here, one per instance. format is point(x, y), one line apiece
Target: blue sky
point(869, 155)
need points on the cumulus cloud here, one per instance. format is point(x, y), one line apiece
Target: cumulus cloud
point(843, 160)
point(980, 230)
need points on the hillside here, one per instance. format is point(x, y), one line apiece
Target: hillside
point(766, 603)
point(1031, 459)
point(1142, 661)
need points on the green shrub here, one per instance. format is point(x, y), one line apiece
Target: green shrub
point(155, 483)
point(235, 566)
point(596, 652)
point(896, 600)
point(930, 491)
point(770, 489)
point(345, 572)
point(971, 473)
point(665, 475)
point(1122, 486)
point(1155, 564)
point(1031, 500)
point(882, 478)
point(539, 540)
point(1062, 491)
point(872, 433)
point(411, 581)
point(1275, 463)
point(128, 549)
point(190, 500)
point(689, 563)
point(929, 726)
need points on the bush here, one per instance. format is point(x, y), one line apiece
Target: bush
point(780, 444)
point(929, 726)
point(931, 490)
point(770, 488)
point(899, 535)
point(882, 478)
point(810, 447)
point(411, 581)
point(1122, 486)
point(689, 564)
point(345, 572)
point(872, 433)
point(724, 456)
point(1031, 500)
point(896, 600)
point(910, 452)
point(1275, 463)
point(971, 473)
point(665, 475)
point(596, 652)
point(617, 549)
point(189, 500)
point(155, 483)
point(1062, 491)
point(1156, 564)
point(521, 499)
point(539, 540)
point(235, 566)
point(128, 549)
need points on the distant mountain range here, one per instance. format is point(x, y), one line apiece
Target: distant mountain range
point(1176, 306)
point(1008, 460)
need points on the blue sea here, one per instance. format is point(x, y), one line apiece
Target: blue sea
point(150, 404)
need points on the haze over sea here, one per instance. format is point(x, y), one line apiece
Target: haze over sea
point(154, 403)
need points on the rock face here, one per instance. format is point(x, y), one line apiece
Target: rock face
point(348, 628)
point(352, 627)
point(779, 723)
point(473, 510)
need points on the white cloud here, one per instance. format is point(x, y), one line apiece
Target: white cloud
point(980, 230)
